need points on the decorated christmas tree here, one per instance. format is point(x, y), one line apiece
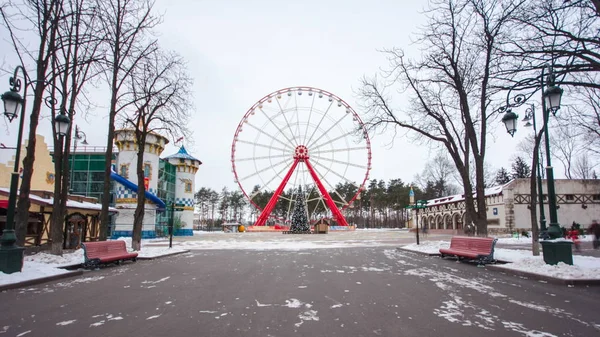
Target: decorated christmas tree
point(299, 218)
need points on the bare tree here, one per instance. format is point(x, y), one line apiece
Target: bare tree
point(72, 67)
point(41, 16)
point(161, 91)
point(450, 88)
point(526, 147)
point(126, 25)
point(566, 147)
point(563, 33)
point(438, 170)
point(583, 167)
point(584, 114)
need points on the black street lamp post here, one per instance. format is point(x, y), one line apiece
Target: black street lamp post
point(554, 252)
point(11, 255)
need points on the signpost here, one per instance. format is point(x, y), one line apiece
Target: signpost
point(174, 207)
point(420, 204)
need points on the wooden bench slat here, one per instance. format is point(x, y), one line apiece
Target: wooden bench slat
point(106, 252)
point(480, 249)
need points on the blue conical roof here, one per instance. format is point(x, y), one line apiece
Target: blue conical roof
point(182, 154)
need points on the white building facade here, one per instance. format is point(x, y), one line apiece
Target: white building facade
point(507, 207)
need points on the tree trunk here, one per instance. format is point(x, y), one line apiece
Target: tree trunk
point(103, 235)
point(481, 220)
point(22, 216)
point(138, 220)
point(535, 237)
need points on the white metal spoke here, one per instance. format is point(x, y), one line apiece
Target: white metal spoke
point(262, 145)
point(276, 126)
point(335, 173)
point(263, 157)
point(327, 131)
point(331, 140)
point(340, 162)
point(312, 104)
point(286, 121)
point(270, 136)
point(265, 169)
point(348, 149)
point(319, 124)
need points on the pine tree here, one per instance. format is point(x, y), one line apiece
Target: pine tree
point(520, 169)
point(299, 218)
point(502, 176)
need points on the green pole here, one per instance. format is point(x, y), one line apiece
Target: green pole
point(171, 220)
point(11, 255)
point(554, 228)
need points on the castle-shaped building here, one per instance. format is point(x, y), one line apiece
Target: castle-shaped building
point(169, 184)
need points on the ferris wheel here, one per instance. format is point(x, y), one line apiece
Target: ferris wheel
point(301, 139)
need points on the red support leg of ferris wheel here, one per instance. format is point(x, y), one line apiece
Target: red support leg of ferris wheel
point(264, 215)
point(301, 155)
point(336, 212)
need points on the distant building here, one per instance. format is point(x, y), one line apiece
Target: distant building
point(507, 206)
point(81, 221)
point(168, 181)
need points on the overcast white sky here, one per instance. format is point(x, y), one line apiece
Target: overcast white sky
point(240, 51)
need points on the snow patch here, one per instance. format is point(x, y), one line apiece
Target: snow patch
point(66, 322)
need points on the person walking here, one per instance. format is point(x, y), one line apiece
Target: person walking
point(594, 229)
point(573, 234)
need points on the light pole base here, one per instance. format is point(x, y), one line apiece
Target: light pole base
point(11, 259)
point(555, 252)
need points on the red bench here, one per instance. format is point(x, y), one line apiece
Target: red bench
point(473, 248)
point(102, 252)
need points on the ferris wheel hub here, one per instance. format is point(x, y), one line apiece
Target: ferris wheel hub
point(301, 152)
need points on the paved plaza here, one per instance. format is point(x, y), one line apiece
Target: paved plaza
point(368, 290)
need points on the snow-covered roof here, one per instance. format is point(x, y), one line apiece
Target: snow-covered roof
point(182, 154)
point(72, 204)
point(495, 190)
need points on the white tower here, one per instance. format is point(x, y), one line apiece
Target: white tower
point(126, 181)
point(187, 166)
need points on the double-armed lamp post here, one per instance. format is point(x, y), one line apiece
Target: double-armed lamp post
point(551, 98)
point(11, 256)
point(554, 252)
point(419, 204)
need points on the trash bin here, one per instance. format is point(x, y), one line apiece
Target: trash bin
point(557, 251)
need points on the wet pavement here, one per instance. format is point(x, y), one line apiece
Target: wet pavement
point(356, 291)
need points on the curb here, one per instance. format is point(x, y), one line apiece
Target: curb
point(40, 280)
point(549, 279)
point(536, 277)
point(161, 256)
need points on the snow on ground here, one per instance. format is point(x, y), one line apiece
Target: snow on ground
point(41, 265)
point(31, 270)
point(583, 268)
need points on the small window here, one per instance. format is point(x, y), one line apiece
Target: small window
point(124, 171)
point(188, 187)
point(596, 197)
point(570, 197)
point(147, 170)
